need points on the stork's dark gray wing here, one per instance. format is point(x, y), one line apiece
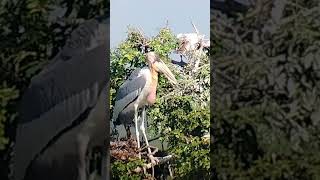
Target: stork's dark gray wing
point(231, 7)
point(128, 92)
point(130, 86)
point(62, 92)
point(134, 73)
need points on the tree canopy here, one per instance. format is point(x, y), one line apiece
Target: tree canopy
point(266, 92)
point(32, 32)
point(180, 116)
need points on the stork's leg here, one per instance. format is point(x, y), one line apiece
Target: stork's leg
point(136, 126)
point(104, 161)
point(143, 130)
point(144, 115)
point(128, 131)
point(83, 146)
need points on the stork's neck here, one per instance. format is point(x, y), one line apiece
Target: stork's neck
point(153, 89)
point(154, 75)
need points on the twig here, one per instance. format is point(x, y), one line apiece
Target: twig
point(141, 32)
point(152, 153)
point(155, 138)
point(195, 28)
point(162, 160)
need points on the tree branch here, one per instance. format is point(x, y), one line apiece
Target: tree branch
point(195, 28)
point(162, 160)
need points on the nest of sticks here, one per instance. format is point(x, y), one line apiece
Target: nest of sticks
point(126, 150)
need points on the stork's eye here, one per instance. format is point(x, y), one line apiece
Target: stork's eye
point(155, 61)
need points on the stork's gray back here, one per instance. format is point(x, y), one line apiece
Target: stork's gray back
point(62, 94)
point(126, 94)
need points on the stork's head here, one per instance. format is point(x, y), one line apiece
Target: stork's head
point(158, 65)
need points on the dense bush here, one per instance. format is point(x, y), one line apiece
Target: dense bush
point(31, 33)
point(266, 89)
point(180, 115)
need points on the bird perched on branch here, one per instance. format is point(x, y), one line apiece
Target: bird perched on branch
point(191, 45)
point(138, 91)
point(63, 112)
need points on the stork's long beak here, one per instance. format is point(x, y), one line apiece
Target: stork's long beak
point(163, 68)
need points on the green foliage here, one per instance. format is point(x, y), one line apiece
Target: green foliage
point(127, 57)
point(164, 42)
point(32, 33)
point(120, 170)
point(6, 96)
point(267, 95)
point(123, 61)
point(181, 116)
point(181, 113)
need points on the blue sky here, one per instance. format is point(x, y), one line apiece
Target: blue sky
point(151, 15)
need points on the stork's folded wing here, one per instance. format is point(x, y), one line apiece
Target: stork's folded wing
point(127, 93)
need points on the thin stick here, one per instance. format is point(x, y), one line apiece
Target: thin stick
point(162, 160)
point(195, 28)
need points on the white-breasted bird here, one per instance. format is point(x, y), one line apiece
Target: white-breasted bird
point(138, 91)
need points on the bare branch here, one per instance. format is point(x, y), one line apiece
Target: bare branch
point(162, 160)
point(195, 28)
point(141, 32)
point(143, 35)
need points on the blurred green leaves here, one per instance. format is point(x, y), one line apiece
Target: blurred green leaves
point(266, 94)
point(7, 95)
point(31, 34)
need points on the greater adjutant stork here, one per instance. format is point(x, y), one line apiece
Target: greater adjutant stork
point(138, 91)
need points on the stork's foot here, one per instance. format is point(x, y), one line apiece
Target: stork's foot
point(154, 161)
point(150, 154)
